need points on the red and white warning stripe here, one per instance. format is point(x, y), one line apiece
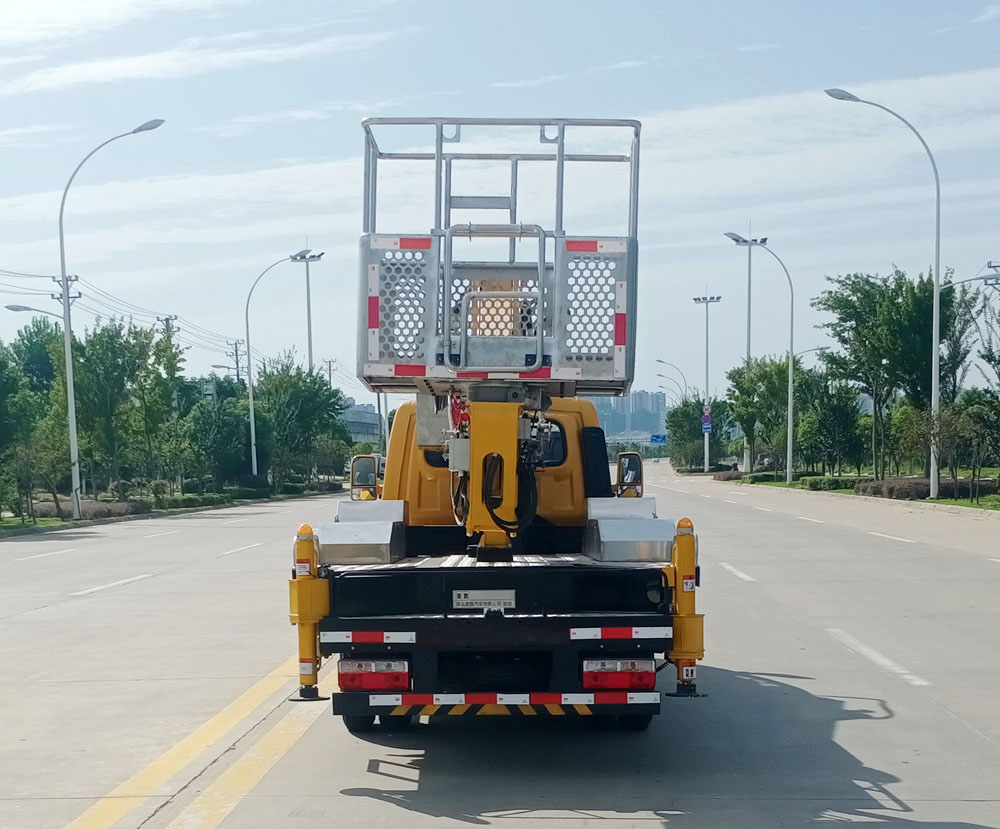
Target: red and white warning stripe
point(373, 312)
point(621, 328)
point(596, 245)
point(400, 243)
point(540, 698)
point(621, 633)
point(404, 370)
point(389, 637)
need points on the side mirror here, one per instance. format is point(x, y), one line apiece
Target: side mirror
point(629, 483)
point(364, 483)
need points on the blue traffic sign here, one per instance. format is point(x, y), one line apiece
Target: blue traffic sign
point(657, 438)
point(706, 428)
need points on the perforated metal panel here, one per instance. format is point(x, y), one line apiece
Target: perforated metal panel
point(496, 317)
point(404, 298)
point(590, 329)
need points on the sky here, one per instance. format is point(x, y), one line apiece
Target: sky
point(260, 155)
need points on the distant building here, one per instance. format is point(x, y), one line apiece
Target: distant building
point(362, 421)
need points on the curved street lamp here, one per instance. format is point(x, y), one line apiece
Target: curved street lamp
point(74, 453)
point(253, 423)
point(675, 368)
point(680, 388)
point(32, 310)
point(843, 95)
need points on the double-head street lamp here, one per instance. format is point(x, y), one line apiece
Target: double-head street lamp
point(762, 243)
point(842, 95)
point(706, 301)
point(307, 256)
point(74, 454)
point(749, 244)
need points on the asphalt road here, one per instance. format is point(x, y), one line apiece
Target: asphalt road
point(853, 675)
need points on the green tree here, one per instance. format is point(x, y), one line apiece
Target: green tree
point(216, 433)
point(32, 349)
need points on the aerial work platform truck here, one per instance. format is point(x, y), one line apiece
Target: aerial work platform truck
point(496, 568)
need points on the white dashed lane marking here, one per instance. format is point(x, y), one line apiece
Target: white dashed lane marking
point(113, 584)
point(875, 656)
point(814, 520)
point(43, 555)
point(738, 573)
point(892, 537)
point(157, 535)
point(241, 549)
point(762, 509)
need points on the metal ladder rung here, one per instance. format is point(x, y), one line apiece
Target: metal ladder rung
point(480, 202)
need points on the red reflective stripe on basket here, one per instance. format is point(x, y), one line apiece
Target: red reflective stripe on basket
point(544, 373)
point(414, 242)
point(473, 375)
point(481, 699)
point(367, 636)
point(410, 371)
point(611, 698)
point(619, 329)
point(615, 633)
point(581, 245)
point(373, 312)
point(418, 699)
point(546, 699)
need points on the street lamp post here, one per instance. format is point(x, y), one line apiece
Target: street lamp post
point(253, 422)
point(762, 243)
point(675, 400)
point(74, 454)
point(842, 95)
point(749, 244)
point(32, 310)
point(672, 380)
point(706, 301)
point(675, 368)
point(307, 257)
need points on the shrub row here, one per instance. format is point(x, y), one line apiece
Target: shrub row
point(717, 467)
point(208, 499)
point(825, 482)
point(245, 492)
point(728, 475)
point(759, 477)
point(95, 509)
point(915, 489)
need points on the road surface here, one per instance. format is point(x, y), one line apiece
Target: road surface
point(852, 674)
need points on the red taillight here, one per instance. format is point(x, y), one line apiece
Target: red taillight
point(619, 674)
point(373, 675)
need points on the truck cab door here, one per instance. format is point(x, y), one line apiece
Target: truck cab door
point(629, 479)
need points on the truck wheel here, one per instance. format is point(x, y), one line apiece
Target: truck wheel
point(359, 723)
point(391, 723)
point(634, 722)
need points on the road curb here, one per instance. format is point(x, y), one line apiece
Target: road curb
point(895, 503)
point(16, 532)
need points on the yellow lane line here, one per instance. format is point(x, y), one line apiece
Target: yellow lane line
point(213, 805)
point(107, 811)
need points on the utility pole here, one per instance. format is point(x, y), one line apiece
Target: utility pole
point(235, 354)
point(168, 331)
point(329, 371)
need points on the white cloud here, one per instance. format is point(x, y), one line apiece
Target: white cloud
point(33, 136)
point(544, 80)
point(991, 12)
point(530, 82)
point(756, 47)
point(245, 124)
point(37, 21)
point(194, 57)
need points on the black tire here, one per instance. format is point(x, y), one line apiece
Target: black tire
point(634, 722)
point(359, 723)
point(391, 723)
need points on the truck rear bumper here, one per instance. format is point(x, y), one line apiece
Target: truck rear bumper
point(482, 704)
